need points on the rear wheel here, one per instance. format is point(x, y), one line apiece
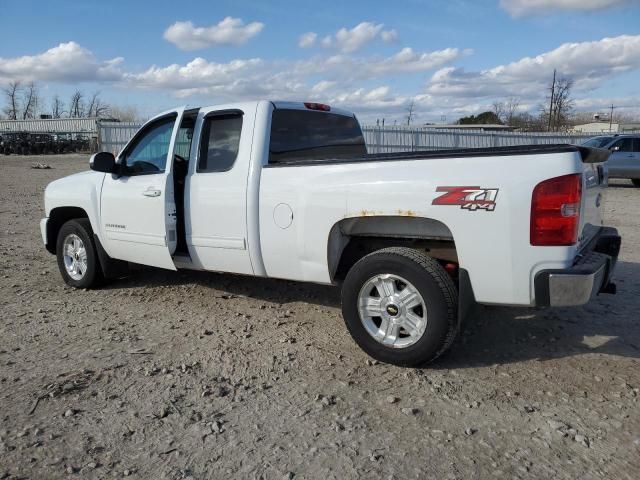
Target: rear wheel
point(400, 306)
point(636, 182)
point(77, 257)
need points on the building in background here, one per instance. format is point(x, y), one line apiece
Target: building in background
point(604, 127)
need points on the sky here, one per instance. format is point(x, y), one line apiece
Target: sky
point(451, 58)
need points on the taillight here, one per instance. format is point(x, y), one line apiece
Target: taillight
point(555, 211)
point(317, 106)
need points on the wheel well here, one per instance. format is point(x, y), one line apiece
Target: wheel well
point(58, 217)
point(353, 238)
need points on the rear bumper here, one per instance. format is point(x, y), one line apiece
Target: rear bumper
point(589, 276)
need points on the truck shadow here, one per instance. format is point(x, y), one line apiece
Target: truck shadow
point(492, 335)
point(265, 289)
point(607, 325)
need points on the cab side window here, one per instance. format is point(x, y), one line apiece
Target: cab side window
point(220, 142)
point(148, 154)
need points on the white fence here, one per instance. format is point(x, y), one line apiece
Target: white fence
point(51, 125)
point(114, 135)
point(400, 139)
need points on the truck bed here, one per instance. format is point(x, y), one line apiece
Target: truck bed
point(588, 154)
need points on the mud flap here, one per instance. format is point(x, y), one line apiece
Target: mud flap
point(111, 268)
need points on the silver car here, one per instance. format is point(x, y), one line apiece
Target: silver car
point(624, 161)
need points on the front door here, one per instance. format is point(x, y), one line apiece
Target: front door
point(138, 208)
point(625, 158)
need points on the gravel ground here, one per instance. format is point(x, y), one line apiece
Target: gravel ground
point(193, 375)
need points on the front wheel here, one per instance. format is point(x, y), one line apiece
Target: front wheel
point(400, 306)
point(77, 257)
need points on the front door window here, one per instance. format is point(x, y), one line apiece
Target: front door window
point(148, 154)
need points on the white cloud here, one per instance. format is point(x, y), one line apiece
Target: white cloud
point(350, 40)
point(307, 40)
point(68, 62)
point(348, 67)
point(229, 31)
point(389, 36)
point(588, 63)
point(197, 74)
point(520, 8)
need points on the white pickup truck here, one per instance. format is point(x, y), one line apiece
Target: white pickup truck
point(287, 190)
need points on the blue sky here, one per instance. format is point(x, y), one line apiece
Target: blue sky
point(451, 57)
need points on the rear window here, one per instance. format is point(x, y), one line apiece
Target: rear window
point(298, 135)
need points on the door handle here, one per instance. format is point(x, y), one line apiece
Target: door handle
point(151, 192)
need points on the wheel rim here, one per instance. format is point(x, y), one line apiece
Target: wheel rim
point(392, 311)
point(74, 255)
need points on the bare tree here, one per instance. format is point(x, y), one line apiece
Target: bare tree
point(30, 102)
point(76, 105)
point(12, 93)
point(563, 103)
point(97, 108)
point(130, 114)
point(411, 112)
point(560, 104)
point(511, 110)
point(57, 107)
point(498, 108)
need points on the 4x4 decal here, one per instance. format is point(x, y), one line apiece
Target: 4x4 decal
point(468, 198)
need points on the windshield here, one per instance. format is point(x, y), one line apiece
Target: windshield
point(597, 142)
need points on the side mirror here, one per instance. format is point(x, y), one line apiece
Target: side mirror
point(103, 162)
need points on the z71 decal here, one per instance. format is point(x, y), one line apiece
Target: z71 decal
point(468, 198)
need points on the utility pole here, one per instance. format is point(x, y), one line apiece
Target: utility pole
point(611, 117)
point(553, 87)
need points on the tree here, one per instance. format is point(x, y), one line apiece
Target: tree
point(411, 112)
point(97, 108)
point(76, 105)
point(12, 93)
point(57, 107)
point(129, 114)
point(30, 102)
point(511, 110)
point(483, 118)
point(560, 103)
point(498, 109)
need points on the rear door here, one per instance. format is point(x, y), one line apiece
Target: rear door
point(138, 210)
point(216, 190)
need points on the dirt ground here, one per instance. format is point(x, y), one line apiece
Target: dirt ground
point(168, 375)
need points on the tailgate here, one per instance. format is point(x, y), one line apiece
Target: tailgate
point(594, 181)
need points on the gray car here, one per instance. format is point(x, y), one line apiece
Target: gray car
point(624, 161)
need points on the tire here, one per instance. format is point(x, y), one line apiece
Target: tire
point(408, 271)
point(636, 182)
point(78, 235)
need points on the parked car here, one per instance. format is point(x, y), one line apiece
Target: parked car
point(624, 161)
point(287, 190)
